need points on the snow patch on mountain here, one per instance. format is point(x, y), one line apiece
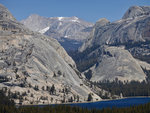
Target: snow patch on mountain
point(44, 30)
point(60, 18)
point(75, 21)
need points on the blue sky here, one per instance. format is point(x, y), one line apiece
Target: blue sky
point(89, 10)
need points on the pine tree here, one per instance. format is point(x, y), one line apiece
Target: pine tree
point(52, 90)
point(90, 98)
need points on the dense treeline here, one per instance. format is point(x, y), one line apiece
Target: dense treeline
point(4, 100)
point(7, 106)
point(133, 88)
point(67, 109)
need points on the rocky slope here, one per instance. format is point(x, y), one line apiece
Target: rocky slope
point(112, 49)
point(35, 69)
point(70, 31)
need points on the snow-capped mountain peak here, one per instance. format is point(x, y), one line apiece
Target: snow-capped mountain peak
point(73, 27)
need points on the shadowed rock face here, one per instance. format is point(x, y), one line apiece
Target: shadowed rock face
point(30, 63)
point(132, 33)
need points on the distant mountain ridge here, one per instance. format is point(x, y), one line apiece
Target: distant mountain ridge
point(69, 28)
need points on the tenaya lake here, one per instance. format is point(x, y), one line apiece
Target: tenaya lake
point(118, 103)
point(127, 102)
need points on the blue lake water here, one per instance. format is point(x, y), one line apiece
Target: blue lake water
point(120, 103)
point(114, 103)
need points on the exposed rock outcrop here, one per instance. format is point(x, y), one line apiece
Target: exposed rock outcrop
point(136, 11)
point(116, 62)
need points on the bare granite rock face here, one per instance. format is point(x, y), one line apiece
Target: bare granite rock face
point(4, 13)
point(116, 62)
point(120, 32)
point(35, 69)
point(105, 42)
point(136, 11)
point(99, 24)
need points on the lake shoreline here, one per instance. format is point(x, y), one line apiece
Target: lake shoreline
point(86, 102)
